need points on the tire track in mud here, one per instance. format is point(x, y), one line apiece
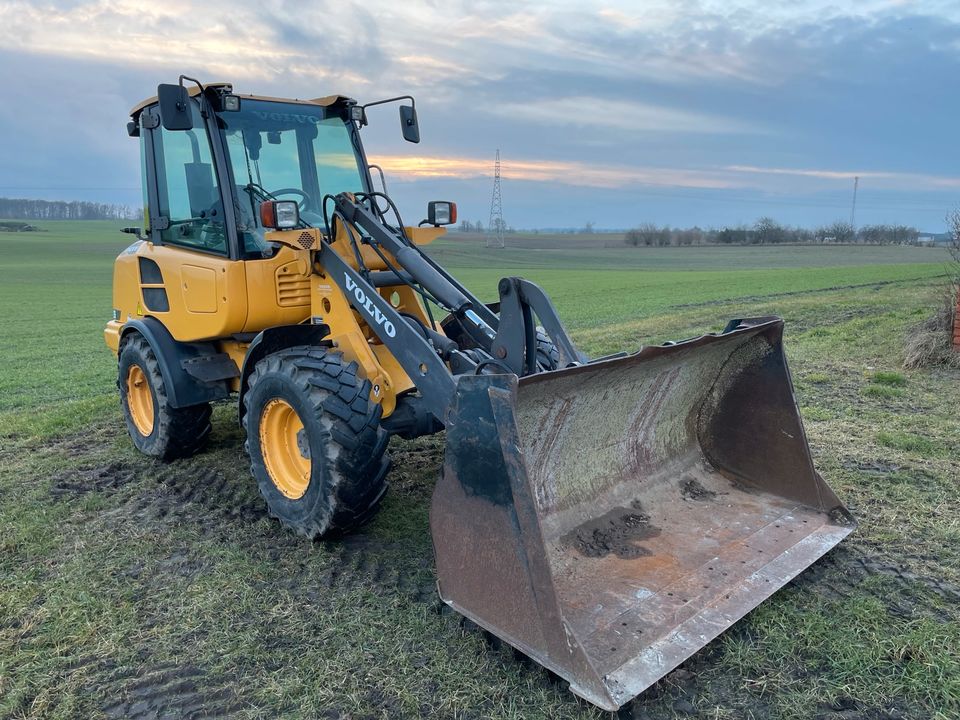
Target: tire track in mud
point(384, 568)
point(155, 692)
point(841, 575)
point(105, 479)
point(220, 505)
point(811, 291)
point(178, 492)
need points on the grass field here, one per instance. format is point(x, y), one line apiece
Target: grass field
point(134, 589)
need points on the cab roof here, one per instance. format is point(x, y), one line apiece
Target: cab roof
point(193, 91)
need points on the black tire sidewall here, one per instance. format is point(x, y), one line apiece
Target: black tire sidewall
point(298, 511)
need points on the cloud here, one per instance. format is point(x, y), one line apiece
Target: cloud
point(879, 178)
point(767, 100)
point(582, 174)
point(626, 115)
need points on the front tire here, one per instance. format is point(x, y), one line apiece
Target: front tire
point(156, 427)
point(548, 357)
point(316, 447)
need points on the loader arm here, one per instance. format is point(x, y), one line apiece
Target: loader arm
point(499, 342)
point(416, 354)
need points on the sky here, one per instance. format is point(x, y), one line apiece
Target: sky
point(706, 113)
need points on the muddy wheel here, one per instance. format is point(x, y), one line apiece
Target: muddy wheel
point(548, 357)
point(316, 447)
point(156, 428)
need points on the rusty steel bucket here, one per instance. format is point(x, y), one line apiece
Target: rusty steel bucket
point(611, 519)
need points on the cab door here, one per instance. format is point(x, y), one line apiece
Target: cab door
point(192, 254)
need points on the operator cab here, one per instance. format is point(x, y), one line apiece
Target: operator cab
point(288, 151)
point(210, 149)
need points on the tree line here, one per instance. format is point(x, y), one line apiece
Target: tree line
point(477, 227)
point(767, 231)
point(24, 209)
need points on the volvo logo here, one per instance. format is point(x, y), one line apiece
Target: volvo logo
point(367, 304)
point(303, 119)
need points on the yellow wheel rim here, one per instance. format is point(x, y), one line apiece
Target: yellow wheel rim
point(140, 400)
point(285, 450)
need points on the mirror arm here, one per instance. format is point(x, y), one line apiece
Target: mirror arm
point(135, 231)
point(413, 103)
point(193, 80)
point(203, 108)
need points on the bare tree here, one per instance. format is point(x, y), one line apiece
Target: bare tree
point(838, 232)
point(767, 230)
point(28, 209)
point(953, 227)
point(647, 234)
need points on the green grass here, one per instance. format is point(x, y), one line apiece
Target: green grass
point(883, 391)
point(888, 378)
point(872, 658)
point(55, 291)
point(908, 442)
point(123, 580)
point(574, 252)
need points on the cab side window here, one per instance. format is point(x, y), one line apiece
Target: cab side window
point(189, 195)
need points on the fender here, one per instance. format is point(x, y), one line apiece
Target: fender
point(277, 338)
point(183, 388)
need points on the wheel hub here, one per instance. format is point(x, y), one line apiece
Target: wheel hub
point(285, 448)
point(140, 400)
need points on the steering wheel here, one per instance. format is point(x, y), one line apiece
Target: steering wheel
point(305, 199)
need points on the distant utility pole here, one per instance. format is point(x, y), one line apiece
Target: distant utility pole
point(495, 226)
point(853, 208)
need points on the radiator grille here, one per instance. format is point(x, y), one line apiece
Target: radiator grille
point(293, 289)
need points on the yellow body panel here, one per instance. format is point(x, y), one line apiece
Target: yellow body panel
point(213, 298)
point(237, 351)
point(199, 286)
point(206, 293)
point(424, 235)
point(126, 294)
point(278, 290)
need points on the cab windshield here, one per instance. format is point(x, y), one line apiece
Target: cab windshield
point(288, 151)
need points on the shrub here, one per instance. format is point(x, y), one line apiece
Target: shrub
point(931, 342)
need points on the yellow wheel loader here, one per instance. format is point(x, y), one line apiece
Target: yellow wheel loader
point(606, 516)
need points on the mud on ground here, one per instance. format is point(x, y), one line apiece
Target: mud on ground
point(130, 588)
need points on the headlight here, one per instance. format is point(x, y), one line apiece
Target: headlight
point(279, 214)
point(441, 212)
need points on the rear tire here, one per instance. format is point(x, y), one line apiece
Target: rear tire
point(156, 427)
point(316, 447)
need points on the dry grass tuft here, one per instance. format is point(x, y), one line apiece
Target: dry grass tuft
point(931, 342)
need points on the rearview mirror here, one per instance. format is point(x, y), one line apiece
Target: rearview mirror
point(408, 123)
point(174, 107)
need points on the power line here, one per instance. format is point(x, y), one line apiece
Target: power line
point(683, 192)
point(495, 226)
point(853, 209)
